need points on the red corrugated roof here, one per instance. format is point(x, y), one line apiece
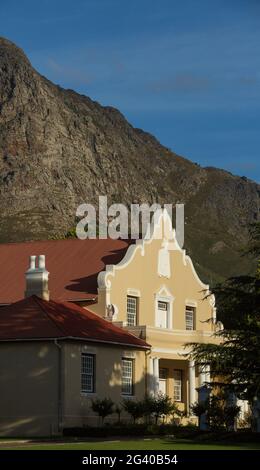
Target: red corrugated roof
point(34, 318)
point(73, 265)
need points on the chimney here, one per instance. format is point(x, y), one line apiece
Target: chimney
point(37, 278)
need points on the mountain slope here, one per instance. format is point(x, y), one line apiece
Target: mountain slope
point(59, 149)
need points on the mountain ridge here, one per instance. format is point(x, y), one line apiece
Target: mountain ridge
point(59, 148)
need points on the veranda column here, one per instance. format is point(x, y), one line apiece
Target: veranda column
point(156, 375)
point(232, 401)
point(202, 377)
point(207, 374)
point(256, 413)
point(150, 376)
point(192, 391)
point(203, 394)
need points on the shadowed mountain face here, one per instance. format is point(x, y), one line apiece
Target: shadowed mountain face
point(59, 149)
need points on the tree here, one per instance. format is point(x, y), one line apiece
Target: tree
point(103, 408)
point(230, 413)
point(118, 411)
point(160, 405)
point(199, 408)
point(134, 408)
point(237, 359)
point(218, 411)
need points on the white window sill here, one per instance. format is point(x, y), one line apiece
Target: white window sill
point(88, 394)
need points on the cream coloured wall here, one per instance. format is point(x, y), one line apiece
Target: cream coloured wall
point(40, 385)
point(29, 373)
point(143, 273)
point(77, 405)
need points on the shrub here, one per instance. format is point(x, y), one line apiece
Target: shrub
point(199, 408)
point(230, 414)
point(134, 408)
point(219, 413)
point(102, 407)
point(160, 406)
point(118, 410)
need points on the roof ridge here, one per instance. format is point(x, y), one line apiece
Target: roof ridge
point(38, 301)
point(53, 240)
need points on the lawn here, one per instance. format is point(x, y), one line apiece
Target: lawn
point(138, 444)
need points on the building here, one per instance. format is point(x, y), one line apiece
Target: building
point(54, 358)
point(144, 294)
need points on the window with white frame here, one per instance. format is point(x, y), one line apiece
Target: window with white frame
point(190, 318)
point(162, 314)
point(177, 385)
point(127, 376)
point(87, 373)
point(163, 374)
point(131, 311)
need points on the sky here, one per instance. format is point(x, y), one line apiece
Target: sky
point(186, 71)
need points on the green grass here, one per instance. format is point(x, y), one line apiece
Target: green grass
point(138, 444)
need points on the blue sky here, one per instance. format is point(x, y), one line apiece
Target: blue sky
point(187, 71)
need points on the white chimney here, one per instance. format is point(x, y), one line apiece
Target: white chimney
point(37, 278)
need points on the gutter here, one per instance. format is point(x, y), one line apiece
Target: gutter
point(75, 338)
point(60, 397)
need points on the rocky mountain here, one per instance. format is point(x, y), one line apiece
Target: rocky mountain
point(59, 149)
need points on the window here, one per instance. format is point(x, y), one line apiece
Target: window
point(127, 376)
point(163, 374)
point(87, 373)
point(162, 314)
point(131, 311)
point(162, 306)
point(177, 387)
point(190, 318)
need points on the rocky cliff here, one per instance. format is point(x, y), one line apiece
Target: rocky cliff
point(59, 149)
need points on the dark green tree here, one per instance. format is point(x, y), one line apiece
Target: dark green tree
point(103, 408)
point(134, 408)
point(237, 359)
point(118, 411)
point(160, 406)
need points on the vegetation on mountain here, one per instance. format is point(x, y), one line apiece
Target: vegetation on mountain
point(59, 149)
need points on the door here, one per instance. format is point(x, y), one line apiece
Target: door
point(162, 314)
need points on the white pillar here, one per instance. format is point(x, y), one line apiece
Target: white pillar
point(202, 377)
point(207, 374)
point(232, 401)
point(150, 376)
point(192, 391)
point(256, 413)
point(156, 375)
point(203, 395)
